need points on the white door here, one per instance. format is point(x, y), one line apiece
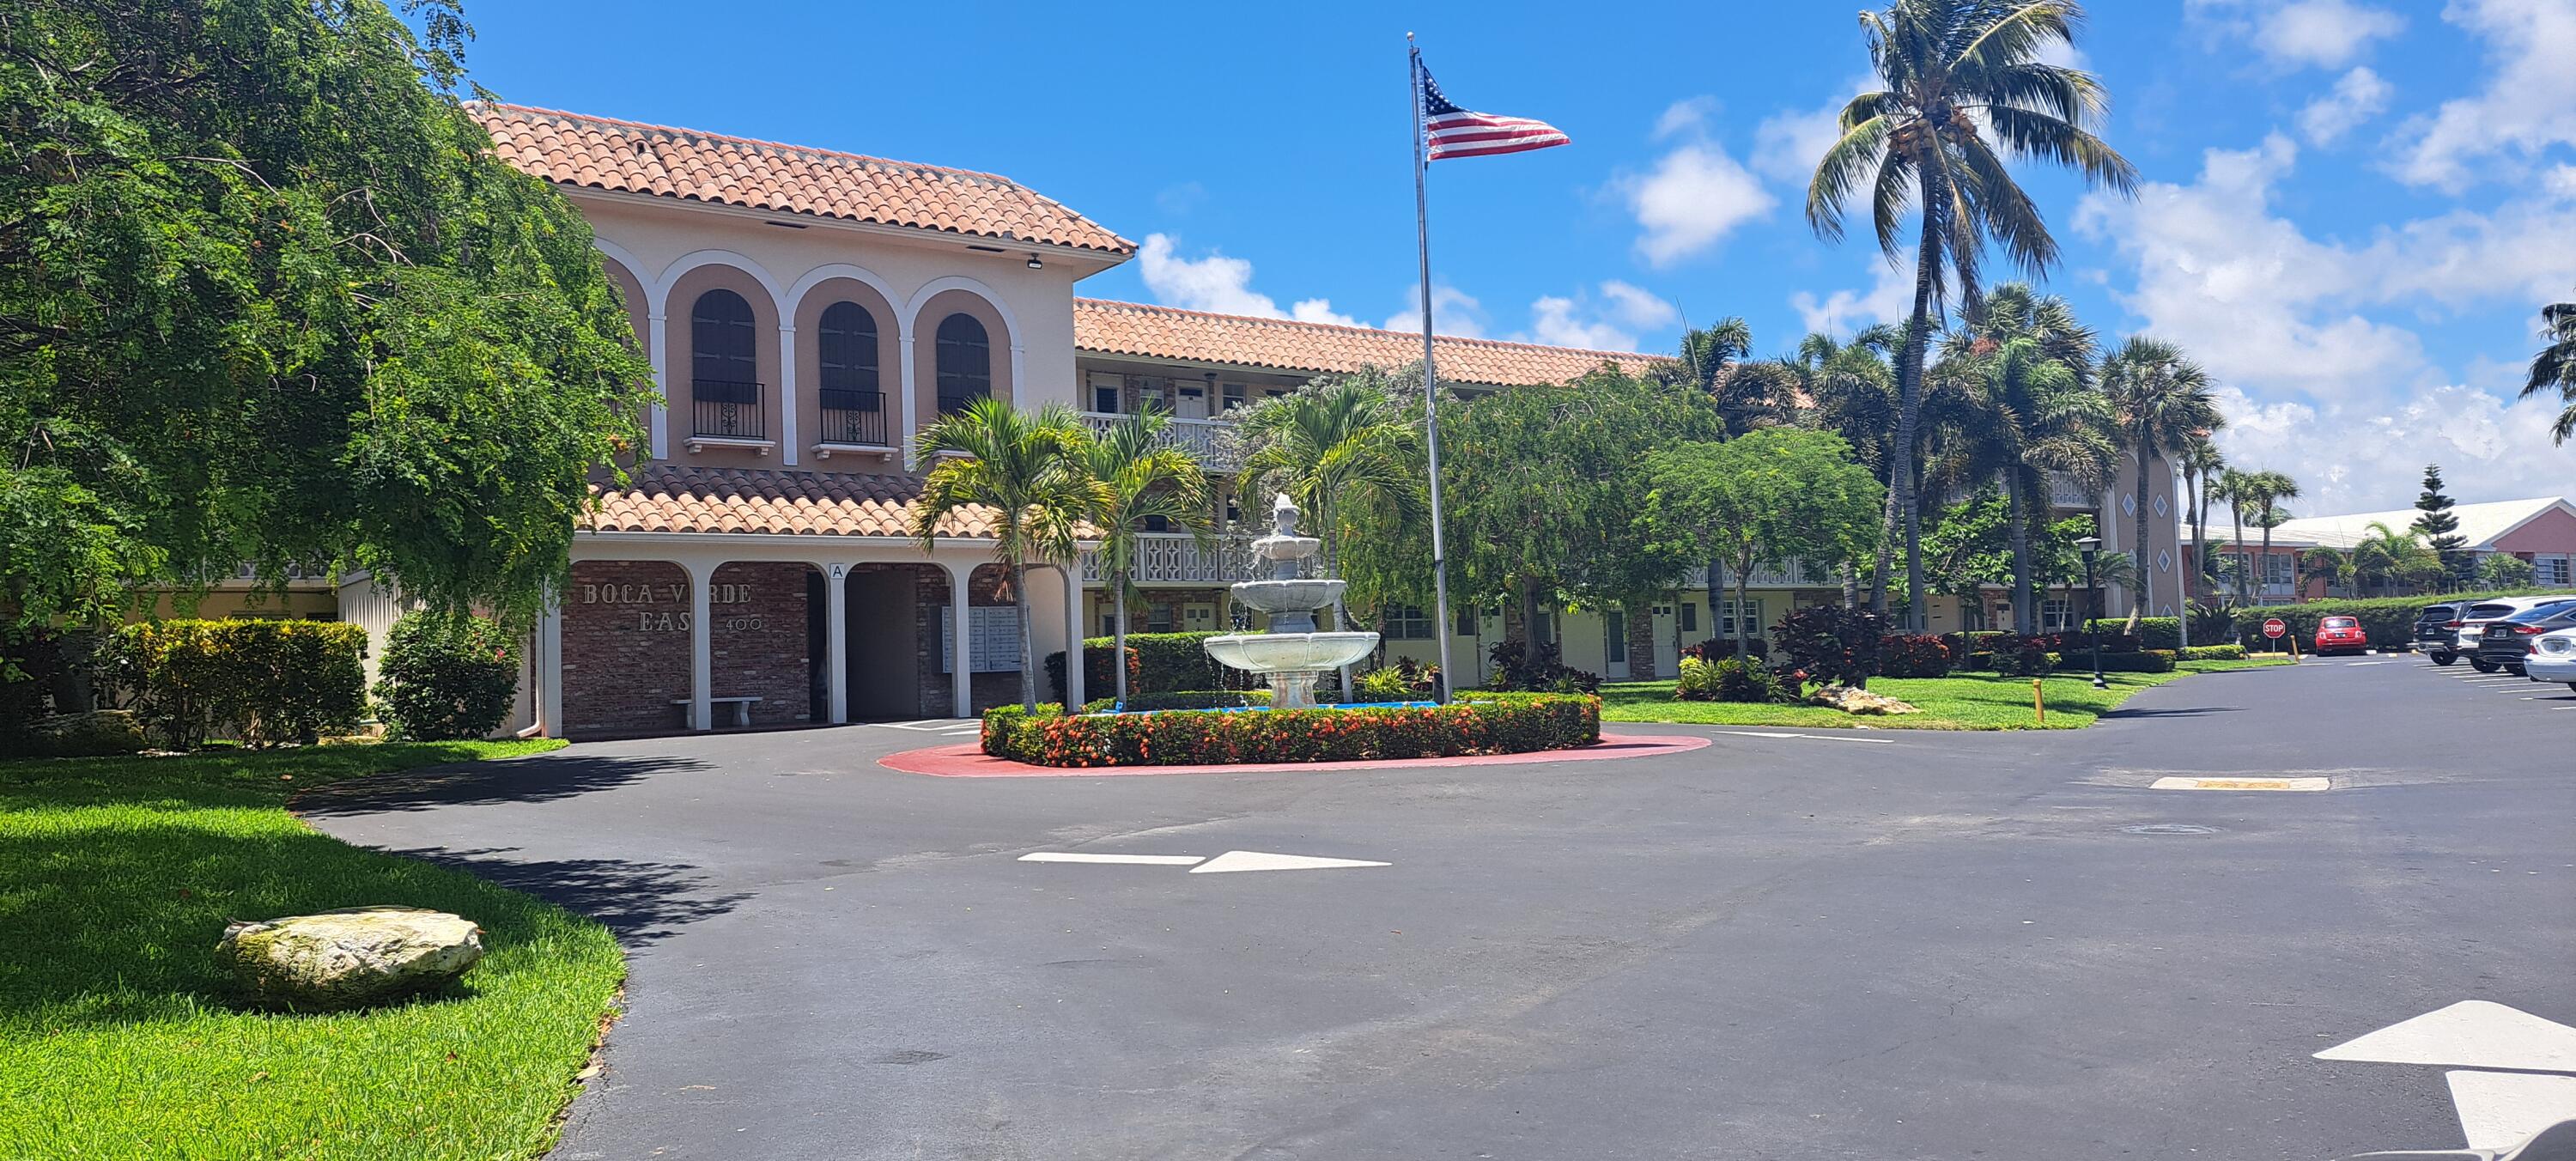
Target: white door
point(1194, 403)
point(1668, 649)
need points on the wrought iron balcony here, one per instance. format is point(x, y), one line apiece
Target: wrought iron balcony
point(853, 418)
point(1204, 439)
point(722, 410)
point(1176, 558)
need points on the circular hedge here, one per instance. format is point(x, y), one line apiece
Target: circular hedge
point(1488, 724)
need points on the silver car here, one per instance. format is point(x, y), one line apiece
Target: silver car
point(2473, 624)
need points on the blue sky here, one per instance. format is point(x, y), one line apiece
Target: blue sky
point(2352, 208)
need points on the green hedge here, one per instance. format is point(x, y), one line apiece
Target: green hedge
point(2213, 653)
point(2153, 632)
point(1486, 724)
point(2389, 621)
point(1186, 699)
point(2144, 661)
point(447, 677)
point(1160, 663)
point(262, 682)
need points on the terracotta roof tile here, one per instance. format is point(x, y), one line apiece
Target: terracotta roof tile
point(631, 157)
point(1128, 328)
point(680, 498)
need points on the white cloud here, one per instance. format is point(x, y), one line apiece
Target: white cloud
point(2322, 33)
point(1788, 144)
point(2528, 106)
point(2489, 448)
point(1454, 311)
point(1605, 319)
point(1890, 298)
point(1696, 194)
point(2357, 97)
point(1221, 284)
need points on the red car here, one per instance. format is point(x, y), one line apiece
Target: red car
point(2341, 635)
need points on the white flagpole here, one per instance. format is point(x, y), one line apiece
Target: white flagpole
point(1430, 377)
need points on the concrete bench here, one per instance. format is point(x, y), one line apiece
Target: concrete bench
point(741, 708)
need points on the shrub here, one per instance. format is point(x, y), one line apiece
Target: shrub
point(263, 682)
point(1513, 670)
point(1719, 648)
point(446, 677)
point(2389, 621)
point(1097, 677)
point(2019, 656)
point(2212, 653)
point(1489, 724)
point(1157, 663)
point(1906, 655)
point(1831, 645)
point(1187, 699)
point(96, 734)
point(2143, 661)
point(1728, 679)
point(2153, 632)
point(1385, 683)
point(28, 658)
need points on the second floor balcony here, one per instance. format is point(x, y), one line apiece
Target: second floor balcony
point(1202, 438)
point(1178, 558)
point(727, 414)
point(852, 419)
point(1792, 576)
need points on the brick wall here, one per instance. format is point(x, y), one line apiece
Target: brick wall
point(1641, 642)
point(983, 588)
point(625, 647)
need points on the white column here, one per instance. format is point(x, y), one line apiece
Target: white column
point(660, 354)
point(903, 397)
point(1073, 694)
point(550, 669)
point(1020, 394)
point(960, 649)
point(701, 649)
point(787, 389)
point(836, 633)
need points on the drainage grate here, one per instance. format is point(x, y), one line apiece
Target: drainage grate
point(2169, 828)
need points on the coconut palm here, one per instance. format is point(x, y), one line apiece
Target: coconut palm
point(2394, 557)
point(1025, 469)
point(1847, 389)
point(2328, 565)
point(2163, 403)
point(1140, 477)
point(1964, 88)
point(2201, 464)
point(2231, 488)
point(2554, 368)
point(2263, 492)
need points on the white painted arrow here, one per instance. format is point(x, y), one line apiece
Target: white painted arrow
point(2499, 1110)
point(2468, 1034)
point(1261, 861)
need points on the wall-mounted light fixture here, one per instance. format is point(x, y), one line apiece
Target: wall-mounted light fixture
point(1036, 263)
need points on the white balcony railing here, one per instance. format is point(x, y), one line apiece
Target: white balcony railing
point(1794, 576)
point(2066, 493)
point(1177, 558)
point(1200, 437)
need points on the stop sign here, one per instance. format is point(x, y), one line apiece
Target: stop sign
point(2275, 629)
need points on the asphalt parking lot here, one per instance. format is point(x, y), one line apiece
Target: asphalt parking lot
point(1866, 944)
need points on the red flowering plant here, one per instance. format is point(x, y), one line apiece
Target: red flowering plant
point(1489, 724)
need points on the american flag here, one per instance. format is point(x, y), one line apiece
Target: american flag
point(1457, 132)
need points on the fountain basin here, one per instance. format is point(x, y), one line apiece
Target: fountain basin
point(1268, 653)
point(1288, 596)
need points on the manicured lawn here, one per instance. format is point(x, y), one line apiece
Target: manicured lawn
point(1957, 702)
point(116, 879)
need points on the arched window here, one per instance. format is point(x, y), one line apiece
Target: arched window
point(964, 362)
point(846, 346)
point(724, 367)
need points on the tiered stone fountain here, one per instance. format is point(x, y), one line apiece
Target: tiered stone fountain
point(1292, 654)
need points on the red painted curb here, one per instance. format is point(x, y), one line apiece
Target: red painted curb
point(968, 761)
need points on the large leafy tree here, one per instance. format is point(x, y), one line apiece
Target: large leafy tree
point(1029, 472)
point(1767, 498)
point(2163, 403)
point(267, 295)
point(2439, 527)
point(1139, 475)
point(2554, 368)
point(1964, 88)
point(1541, 488)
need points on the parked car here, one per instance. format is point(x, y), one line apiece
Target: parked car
point(2508, 642)
point(2341, 635)
point(2473, 623)
point(2437, 632)
point(2553, 657)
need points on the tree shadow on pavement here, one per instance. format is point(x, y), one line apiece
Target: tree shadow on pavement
point(542, 778)
point(642, 902)
point(2183, 712)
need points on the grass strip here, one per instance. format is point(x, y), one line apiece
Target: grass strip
point(1961, 701)
point(117, 876)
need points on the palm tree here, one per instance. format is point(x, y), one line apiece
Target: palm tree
point(2392, 557)
point(2554, 368)
point(2033, 413)
point(1026, 471)
point(2263, 492)
point(2163, 402)
point(1140, 478)
point(1333, 444)
point(2328, 565)
point(2231, 488)
point(1847, 389)
point(2201, 462)
point(1960, 77)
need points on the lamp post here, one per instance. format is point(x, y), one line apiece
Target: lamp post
point(2088, 547)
